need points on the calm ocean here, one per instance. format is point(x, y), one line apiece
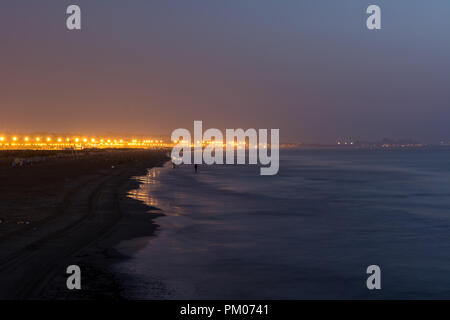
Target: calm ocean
point(309, 232)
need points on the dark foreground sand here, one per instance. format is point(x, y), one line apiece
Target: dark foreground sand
point(64, 209)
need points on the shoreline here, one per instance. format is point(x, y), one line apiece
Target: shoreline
point(97, 260)
point(76, 210)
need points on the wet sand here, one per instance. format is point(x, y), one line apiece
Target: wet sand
point(63, 208)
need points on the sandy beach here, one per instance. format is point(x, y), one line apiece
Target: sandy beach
point(60, 208)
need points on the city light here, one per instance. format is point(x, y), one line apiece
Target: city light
point(53, 142)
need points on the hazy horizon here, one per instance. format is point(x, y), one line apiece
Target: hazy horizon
point(309, 68)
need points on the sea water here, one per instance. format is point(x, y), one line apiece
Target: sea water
point(309, 232)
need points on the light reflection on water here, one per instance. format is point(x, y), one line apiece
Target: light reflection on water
point(146, 183)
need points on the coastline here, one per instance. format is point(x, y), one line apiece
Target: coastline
point(75, 215)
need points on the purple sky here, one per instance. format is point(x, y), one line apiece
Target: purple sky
point(310, 68)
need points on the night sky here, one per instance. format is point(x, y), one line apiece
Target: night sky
point(310, 68)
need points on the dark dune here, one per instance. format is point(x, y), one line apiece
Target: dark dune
point(62, 208)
